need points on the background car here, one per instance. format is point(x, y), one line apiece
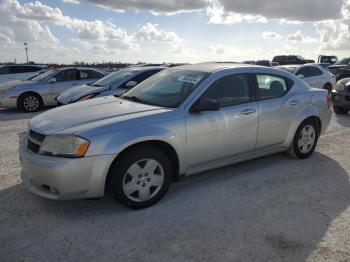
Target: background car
point(19, 72)
point(341, 69)
point(181, 121)
point(258, 62)
point(113, 84)
point(314, 76)
point(328, 59)
point(30, 95)
point(291, 60)
point(341, 96)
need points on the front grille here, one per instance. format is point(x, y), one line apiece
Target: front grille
point(34, 141)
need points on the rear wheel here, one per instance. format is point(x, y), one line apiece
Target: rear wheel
point(340, 110)
point(141, 177)
point(29, 102)
point(305, 140)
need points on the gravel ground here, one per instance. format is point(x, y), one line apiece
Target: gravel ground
point(270, 209)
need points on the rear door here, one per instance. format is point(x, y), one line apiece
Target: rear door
point(277, 110)
point(219, 137)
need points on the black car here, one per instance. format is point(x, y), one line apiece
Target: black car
point(291, 60)
point(341, 69)
point(341, 96)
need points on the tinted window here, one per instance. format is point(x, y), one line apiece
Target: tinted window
point(89, 74)
point(67, 75)
point(4, 70)
point(314, 71)
point(229, 90)
point(304, 71)
point(271, 86)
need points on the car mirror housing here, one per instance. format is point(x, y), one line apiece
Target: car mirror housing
point(51, 80)
point(131, 84)
point(205, 105)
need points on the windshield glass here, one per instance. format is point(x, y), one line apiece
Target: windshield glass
point(344, 61)
point(45, 75)
point(117, 77)
point(169, 88)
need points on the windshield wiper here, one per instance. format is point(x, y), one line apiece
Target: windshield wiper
point(134, 99)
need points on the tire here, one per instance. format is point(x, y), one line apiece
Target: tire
point(29, 102)
point(141, 177)
point(340, 110)
point(328, 87)
point(305, 140)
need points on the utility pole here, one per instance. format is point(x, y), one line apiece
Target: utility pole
point(26, 48)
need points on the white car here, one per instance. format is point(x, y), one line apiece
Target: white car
point(20, 72)
point(314, 76)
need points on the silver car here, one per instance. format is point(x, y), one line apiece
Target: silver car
point(313, 75)
point(113, 84)
point(31, 94)
point(181, 121)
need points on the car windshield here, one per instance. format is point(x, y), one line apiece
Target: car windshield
point(344, 61)
point(44, 76)
point(117, 77)
point(169, 88)
point(288, 69)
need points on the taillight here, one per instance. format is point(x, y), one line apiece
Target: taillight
point(329, 101)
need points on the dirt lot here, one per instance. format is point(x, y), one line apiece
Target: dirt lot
point(270, 209)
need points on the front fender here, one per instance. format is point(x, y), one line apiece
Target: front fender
point(172, 133)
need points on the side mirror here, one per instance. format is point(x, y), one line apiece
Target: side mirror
point(301, 76)
point(205, 105)
point(131, 84)
point(51, 80)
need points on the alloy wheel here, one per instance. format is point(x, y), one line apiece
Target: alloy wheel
point(306, 139)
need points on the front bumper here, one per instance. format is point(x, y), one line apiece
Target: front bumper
point(7, 102)
point(63, 178)
point(341, 99)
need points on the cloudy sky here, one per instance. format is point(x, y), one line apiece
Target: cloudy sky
point(172, 30)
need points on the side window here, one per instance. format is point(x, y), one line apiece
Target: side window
point(67, 75)
point(229, 90)
point(270, 86)
point(16, 69)
point(314, 71)
point(4, 70)
point(303, 71)
point(143, 76)
point(32, 68)
point(89, 74)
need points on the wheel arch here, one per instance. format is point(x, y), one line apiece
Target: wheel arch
point(165, 147)
point(30, 92)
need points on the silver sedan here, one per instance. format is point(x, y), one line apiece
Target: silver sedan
point(181, 121)
point(31, 94)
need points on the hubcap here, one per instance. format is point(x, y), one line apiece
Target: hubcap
point(31, 103)
point(143, 180)
point(306, 139)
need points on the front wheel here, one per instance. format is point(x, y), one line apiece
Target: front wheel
point(141, 177)
point(29, 103)
point(305, 140)
point(340, 110)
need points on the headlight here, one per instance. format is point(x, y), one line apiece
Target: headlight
point(64, 146)
point(339, 87)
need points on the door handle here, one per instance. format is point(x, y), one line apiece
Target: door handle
point(294, 102)
point(248, 111)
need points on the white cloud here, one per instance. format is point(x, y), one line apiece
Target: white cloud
point(299, 37)
point(76, 2)
point(334, 35)
point(271, 35)
point(5, 41)
point(156, 6)
point(151, 32)
point(217, 49)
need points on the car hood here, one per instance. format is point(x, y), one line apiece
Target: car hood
point(75, 93)
point(84, 116)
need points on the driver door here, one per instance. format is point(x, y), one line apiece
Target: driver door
point(219, 137)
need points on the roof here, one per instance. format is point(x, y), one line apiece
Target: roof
point(212, 67)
